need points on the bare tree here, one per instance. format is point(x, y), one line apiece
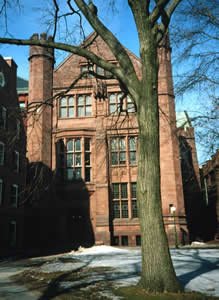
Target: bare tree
point(196, 44)
point(152, 19)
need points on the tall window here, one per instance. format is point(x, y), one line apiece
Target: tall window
point(2, 153)
point(134, 200)
point(87, 68)
point(1, 191)
point(3, 117)
point(66, 107)
point(130, 105)
point(12, 233)
point(74, 159)
point(16, 160)
point(84, 105)
point(120, 200)
point(87, 159)
point(118, 151)
point(14, 195)
point(132, 150)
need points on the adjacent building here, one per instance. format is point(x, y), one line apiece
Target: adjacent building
point(12, 160)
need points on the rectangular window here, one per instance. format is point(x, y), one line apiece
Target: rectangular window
point(1, 191)
point(67, 107)
point(118, 151)
point(16, 161)
point(12, 233)
point(3, 117)
point(84, 106)
point(124, 240)
point(116, 103)
point(130, 105)
point(2, 154)
point(120, 200)
point(100, 71)
point(134, 200)
point(87, 159)
point(73, 156)
point(138, 240)
point(87, 68)
point(132, 150)
point(14, 195)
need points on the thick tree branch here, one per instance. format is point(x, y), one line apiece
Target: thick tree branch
point(127, 68)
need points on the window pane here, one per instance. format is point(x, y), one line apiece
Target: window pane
point(87, 174)
point(112, 98)
point(88, 100)
point(81, 100)
point(124, 193)
point(132, 143)
point(71, 112)
point(77, 173)
point(116, 209)
point(122, 158)
point(71, 101)
point(125, 241)
point(133, 190)
point(63, 112)
point(70, 145)
point(132, 156)
point(113, 108)
point(63, 102)
point(138, 240)
point(122, 143)
point(114, 157)
point(115, 190)
point(77, 159)
point(100, 71)
point(87, 144)
point(69, 160)
point(125, 213)
point(87, 159)
point(80, 111)
point(78, 145)
point(70, 174)
point(134, 209)
point(114, 144)
point(88, 110)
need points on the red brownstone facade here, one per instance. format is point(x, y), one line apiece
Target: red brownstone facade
point(88, 137)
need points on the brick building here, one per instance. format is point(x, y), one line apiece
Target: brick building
point(210, 187)
point(12, 160)
point(87, 138)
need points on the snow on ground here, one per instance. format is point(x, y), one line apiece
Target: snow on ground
point(197, 269)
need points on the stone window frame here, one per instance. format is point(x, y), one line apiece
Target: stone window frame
point(123, 155)
point(3, 117)
point(14, 195)
point(72, 106)
point(85, 167)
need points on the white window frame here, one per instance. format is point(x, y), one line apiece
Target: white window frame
point(2, 154)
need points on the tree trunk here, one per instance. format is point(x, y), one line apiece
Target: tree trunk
point(158, 274)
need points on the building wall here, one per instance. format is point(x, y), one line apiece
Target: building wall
point(13, 161)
